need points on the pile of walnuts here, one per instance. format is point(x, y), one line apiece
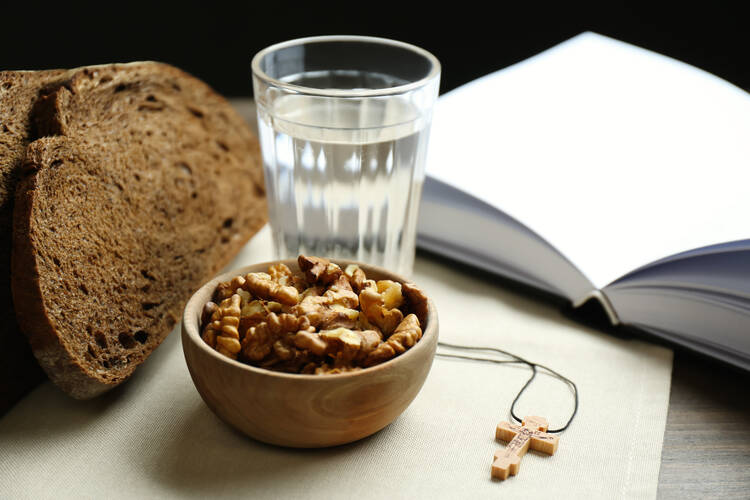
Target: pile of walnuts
point(322, 320)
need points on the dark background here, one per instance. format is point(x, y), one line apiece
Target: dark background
point(215, 41)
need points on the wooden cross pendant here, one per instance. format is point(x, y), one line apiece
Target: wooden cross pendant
point(532, 433)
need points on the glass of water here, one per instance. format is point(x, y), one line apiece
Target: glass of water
point(343, 124)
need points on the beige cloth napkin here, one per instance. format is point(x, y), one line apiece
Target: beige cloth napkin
point(154, 437)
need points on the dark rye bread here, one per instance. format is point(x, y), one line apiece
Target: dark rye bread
point(147, 184)
point(19, 90)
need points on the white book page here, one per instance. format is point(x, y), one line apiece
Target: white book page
point(615, 155)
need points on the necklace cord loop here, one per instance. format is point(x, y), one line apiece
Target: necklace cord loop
point(515, 360)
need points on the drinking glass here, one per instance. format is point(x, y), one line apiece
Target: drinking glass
point(343, 125)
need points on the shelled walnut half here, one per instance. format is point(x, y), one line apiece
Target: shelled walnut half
point(320, 320)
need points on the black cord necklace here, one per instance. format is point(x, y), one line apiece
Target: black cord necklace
point(515, 359)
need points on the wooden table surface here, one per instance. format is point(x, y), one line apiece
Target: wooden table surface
point(706, 450)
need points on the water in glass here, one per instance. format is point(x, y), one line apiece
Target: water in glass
point(344, 176)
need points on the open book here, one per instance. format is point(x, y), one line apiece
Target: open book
point(597, 169)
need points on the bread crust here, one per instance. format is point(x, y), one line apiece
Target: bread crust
point(19, 91)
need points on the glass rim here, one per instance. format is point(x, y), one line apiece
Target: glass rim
point(386, 91)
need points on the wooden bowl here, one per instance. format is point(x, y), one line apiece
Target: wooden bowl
point(304, 411)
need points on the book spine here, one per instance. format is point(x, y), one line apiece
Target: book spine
point(604, 301)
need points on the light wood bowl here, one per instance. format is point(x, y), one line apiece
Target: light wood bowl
point(304, 411)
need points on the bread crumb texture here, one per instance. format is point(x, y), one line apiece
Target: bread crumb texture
point(146, 184)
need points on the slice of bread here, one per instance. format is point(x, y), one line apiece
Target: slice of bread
point(144, 184)
point(19, 91)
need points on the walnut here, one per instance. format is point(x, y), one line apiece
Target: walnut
point(417, 301)
point(309, 368)
point(259, 339)
point(373, 307)
point(310, 341)
point(333, 316)
point(336, 315)
point(245, 296)
point(391, 292)
point(273, 306)
point(313, 307)
point(356, 277)
point(343, 345)
point(314, 291)
point(208, 311)
point(253, 312)
point(286, 351)
point(340, 292)
point(364, 324)
point(226, 289)
point(262, 286)
point(319, 270)
point(313, 267)
point(369, 284)
point(281, 274)
point(349, 346)
point(299, 281)
point(286, 356)
point(259, 308)
point(322, 320)
point(405, 336)
point(221, 332)
point(331, 309)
